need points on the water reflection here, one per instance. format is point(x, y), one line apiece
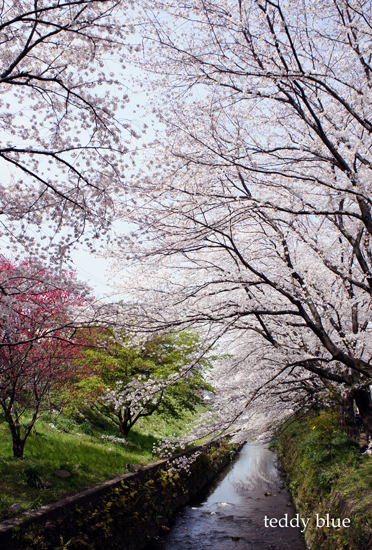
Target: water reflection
point(254, 471)
point(231, 515)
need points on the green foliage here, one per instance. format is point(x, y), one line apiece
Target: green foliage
point(65, 424)
point(322, 482)
point(31, 475)
point(326, 426)
point(86, 428)
point(118, 360)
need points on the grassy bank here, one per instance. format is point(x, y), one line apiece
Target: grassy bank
point(91, 451)
point(326, 475)
point(124, 515)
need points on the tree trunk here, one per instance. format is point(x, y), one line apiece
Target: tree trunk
point(362, 398)
point(125, 429)
point(12, 419)
point(15, 430)
point(18, 447)
point(125, 423)
point(346, 416)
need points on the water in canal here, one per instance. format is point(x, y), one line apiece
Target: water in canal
point(232, 514)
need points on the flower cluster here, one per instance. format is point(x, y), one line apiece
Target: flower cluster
point(183, 463)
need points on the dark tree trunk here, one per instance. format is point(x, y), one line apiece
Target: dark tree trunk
point(125, 422)
point(18, 447)
point(15, 430)
point(347, 417)
point(125, 429)
point(12, 419)
point(18, 441)
point(362, 398)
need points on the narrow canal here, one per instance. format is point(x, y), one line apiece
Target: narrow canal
point(232, 514)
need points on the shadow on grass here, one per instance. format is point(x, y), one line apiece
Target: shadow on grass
point(146, 442)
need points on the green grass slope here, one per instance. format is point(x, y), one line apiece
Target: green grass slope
point(91, 451)
point(327, 475)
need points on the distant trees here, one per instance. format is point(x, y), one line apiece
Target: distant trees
point(257, 220)
point(130, 380)
point(54, 353)
point(39, 342)
point(63, 143)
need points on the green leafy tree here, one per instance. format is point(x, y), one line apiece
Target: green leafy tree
point(165, 374)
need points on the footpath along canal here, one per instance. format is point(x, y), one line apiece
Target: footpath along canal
point(233, 514)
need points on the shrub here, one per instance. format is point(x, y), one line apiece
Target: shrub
point(31, 475)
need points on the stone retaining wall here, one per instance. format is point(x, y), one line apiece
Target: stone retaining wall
point(122, 513)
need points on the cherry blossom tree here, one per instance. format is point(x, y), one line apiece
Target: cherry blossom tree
point(255, 220)
point(64, 141)
point(40, 341)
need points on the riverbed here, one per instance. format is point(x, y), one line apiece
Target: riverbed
point(236, 511)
